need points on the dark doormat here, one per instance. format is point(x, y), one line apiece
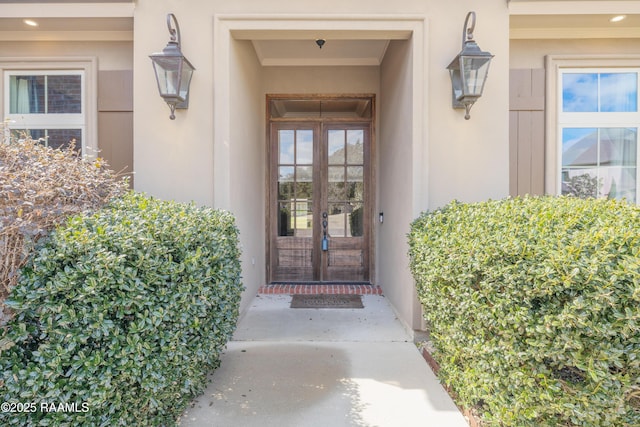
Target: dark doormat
point(326, 301)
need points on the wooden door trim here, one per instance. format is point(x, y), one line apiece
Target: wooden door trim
point(271, 169)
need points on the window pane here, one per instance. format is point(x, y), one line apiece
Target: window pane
point(580, 92)
point(618, 146)
point(64, 138)
point(285, 146)
point(64, 94)
point(618, 92)
point(579, 146)
point(55, 138)
point(618, 183)
point(26, 95)
point(355, 148)
point(336, 147)
point(304, 149)
point(582, 183)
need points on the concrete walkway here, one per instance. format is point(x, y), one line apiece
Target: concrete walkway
point(322, 367)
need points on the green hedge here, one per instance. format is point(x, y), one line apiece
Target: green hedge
point(122, 314)
point(534, 308)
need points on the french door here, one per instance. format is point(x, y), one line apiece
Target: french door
point(319, 222)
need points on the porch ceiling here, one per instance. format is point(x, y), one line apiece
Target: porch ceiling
point(307, 53)
point(299, 48)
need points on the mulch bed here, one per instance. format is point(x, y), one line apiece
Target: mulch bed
point(469, 414)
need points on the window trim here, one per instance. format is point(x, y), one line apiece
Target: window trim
point(554, 64)
point(89, 68)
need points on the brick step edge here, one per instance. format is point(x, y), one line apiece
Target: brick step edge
point(327, 289)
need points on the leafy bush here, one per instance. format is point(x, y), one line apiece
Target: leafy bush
point(534, 308)
point(39, 188)
point(122, 313)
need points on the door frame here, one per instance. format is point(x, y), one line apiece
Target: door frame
point(369, 173)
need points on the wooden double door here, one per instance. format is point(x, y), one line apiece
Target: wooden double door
point(320, 212)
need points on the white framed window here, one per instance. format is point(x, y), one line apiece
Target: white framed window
point(592, 138)
point(49, 105)
point(53, 101)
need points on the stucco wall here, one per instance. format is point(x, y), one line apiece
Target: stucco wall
point(440, 156)
point(531, 53)
point(247, 164)
point(111, 55)
point(395, 173)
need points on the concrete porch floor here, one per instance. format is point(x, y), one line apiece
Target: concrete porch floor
point(322, 367)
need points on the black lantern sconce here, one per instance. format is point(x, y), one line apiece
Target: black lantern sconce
point(173, 70)
point(469, 69)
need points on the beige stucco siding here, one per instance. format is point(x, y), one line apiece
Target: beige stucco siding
point(531, 53)
point(426, 153)
point(112, 55)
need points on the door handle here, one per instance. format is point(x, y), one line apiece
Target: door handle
point(325, 237)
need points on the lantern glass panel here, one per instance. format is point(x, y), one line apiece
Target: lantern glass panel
point(456, 83)
point(168, 74)
point(187, 72)
point(475, 71)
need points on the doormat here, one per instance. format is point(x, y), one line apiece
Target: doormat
point(326, 301)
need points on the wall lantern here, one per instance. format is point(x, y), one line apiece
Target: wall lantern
point(173, 70)
point(469, 69)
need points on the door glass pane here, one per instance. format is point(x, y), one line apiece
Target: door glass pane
point(335, 185)
point(355, 147)
point(285, 174)
point(336, 152)
point(337, 220)
point(304, 147)
point(285, 183)
point(286, 143)
point(355, 183)
point(303, 226)
point(355, 214)
point(304, 183)
point(304, 173)
point(285, 220)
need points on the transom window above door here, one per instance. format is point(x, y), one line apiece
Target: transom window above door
point(343, 108)
point(598, 129)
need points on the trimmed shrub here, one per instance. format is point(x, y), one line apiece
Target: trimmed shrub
point(534, 308)
point(39, 188)
point(122, 313)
